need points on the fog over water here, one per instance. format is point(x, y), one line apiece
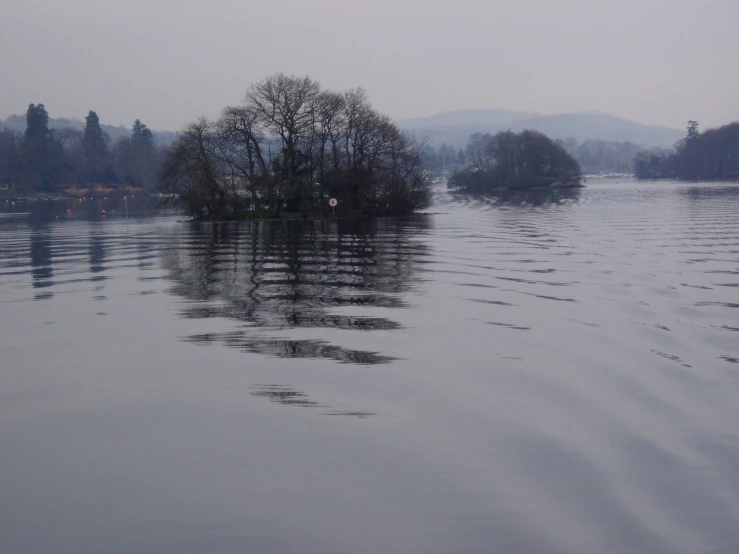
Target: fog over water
point(550, 373)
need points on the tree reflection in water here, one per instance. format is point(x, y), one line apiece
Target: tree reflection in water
point(42, 271)
point(288, 396)
point(274, 276)
point(522, 197)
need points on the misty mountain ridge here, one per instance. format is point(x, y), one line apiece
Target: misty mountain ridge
point(17, 122)
point(467, 117)
point(455, 127)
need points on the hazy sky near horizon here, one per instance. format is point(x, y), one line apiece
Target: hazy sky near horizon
point(169, 61)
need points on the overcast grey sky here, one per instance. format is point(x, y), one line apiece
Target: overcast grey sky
point(169, 61)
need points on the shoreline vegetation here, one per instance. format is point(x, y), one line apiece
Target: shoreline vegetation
point(712, 155)
point(509, 161)
point(291, 148)
point(54, 162)
point(74, 192)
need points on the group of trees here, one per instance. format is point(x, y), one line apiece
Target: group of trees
point(42, 158)
point(509, 160)
point(136, 159)
point(597, 157)
point(289, 147)
point(444, 158)
point(710, 155)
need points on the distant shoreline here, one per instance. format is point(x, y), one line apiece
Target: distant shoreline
point(47, 197)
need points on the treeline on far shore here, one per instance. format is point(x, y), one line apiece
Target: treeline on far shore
point(595, 156)
point(48, 160)
point(710, 155)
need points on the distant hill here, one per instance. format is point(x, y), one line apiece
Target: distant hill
point(18, 123)
point(467, 117)
point(455, 127)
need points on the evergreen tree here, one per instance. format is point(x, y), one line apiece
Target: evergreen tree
point(693, 131)
point(141, 135)
point(36, 140)
point(94, 149)
point(37, 123)
point(44, 157)
point(136, 158)
point(142, 159)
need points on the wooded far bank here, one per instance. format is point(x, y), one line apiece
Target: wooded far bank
point(710, 155)
point(47, 161)
point(291, 145)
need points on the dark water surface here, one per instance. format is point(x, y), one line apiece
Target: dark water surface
point(552, 374)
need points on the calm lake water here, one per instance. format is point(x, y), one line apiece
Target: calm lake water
point(532, 374)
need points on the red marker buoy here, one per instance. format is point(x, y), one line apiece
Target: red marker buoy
point(69, 212)
point(103, 213)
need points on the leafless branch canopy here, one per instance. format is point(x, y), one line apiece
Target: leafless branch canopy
point(289, 147)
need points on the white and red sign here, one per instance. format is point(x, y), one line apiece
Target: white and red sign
point(333, 202)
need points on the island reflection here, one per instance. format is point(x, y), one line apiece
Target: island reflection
point(277, 276)
point(521, 197)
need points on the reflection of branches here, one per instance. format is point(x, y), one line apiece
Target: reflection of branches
point(276, 276)
point(288, 396)
point(284, 394)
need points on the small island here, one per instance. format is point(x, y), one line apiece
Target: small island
point(293, 149)
point(513, 161)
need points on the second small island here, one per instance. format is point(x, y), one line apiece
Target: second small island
point(511, 161)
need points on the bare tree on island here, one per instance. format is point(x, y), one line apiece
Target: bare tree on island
point(287, 106)
point(288, 148)
point(194, 171)
point(240, 130)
